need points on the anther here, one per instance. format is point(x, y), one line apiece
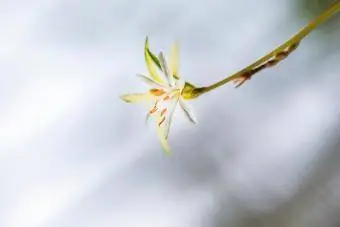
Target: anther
point(163, 111)
point(153, 110)
point(161, 122)
point(157, 92)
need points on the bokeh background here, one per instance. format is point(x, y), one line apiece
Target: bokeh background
point(73, 154)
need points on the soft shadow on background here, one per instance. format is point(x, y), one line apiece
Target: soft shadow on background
point(73, 154)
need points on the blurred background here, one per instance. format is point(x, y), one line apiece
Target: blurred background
point(73, 154)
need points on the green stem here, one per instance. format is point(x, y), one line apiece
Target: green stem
point(295, 40)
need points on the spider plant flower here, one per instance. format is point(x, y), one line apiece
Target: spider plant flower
point(167, 92)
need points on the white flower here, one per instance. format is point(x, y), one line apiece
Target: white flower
point(165, 93)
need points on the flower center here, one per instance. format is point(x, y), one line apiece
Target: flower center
point(162, 103)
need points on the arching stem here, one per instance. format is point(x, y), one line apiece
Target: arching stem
point(271, 58)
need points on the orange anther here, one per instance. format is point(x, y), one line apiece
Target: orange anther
point(153, 110)
point(157, 92)
point(161, 122)
point(166, 98)
point(163, 111)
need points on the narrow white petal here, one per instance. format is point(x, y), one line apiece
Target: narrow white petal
point(151, 82)
point(136, 97)
point(171, 112)
point(151, 62)
point(163, 140)
point(174, 60)
point(188, 111)
point(166, 70)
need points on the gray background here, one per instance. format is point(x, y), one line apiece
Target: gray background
point(73, 154)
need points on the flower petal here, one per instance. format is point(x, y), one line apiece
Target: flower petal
point(153, 56)
point(136, 97)
point(150, 81)
point(164, 141)
point(152, 61)
point(188, 111)
point(165, 69)
point(172, 108)
point(174, 60)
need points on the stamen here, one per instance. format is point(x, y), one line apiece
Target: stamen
point(163, 111)
point(157, 92)
point(153, 110)
point(166, 98)
point(161, 122)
